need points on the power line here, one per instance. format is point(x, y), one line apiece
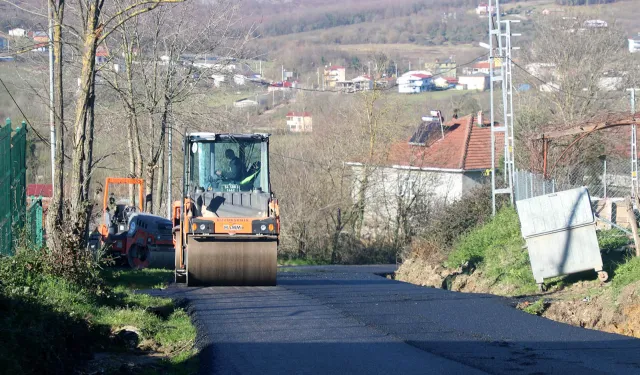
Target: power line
point(558, 89)
point(24, 115)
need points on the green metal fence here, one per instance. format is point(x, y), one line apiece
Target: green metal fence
point(13, 187)
point(34, 223)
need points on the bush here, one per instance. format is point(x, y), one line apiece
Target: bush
point(43, 331)
point(460, 217)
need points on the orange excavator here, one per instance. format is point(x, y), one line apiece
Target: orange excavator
point(127, 232)
point(226, 226)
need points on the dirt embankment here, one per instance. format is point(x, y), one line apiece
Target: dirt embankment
point(587, 303)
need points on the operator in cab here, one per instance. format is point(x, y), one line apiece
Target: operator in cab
point(234, 172)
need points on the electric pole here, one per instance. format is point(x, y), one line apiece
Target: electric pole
point(52, 119)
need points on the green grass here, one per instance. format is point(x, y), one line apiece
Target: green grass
point(50, 322)
point(612, 239)
point(497, 250)
point(536, 308)
point(301, 262)
point(143, 279)
point(627, 273)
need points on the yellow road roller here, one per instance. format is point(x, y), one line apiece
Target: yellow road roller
point(226, 226)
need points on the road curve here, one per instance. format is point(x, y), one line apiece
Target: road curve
point(349, 320)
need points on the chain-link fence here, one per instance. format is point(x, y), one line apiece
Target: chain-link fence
point(604, 177)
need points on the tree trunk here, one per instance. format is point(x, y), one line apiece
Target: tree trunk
point(157, 202)
point(83, 120)
point(55, 214)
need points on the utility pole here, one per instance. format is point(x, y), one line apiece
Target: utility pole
point(282, 73)
point(170, 144)
point(52, 119)
point(634, 148)
point(396, 70)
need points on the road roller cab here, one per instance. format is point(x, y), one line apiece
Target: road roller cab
point(227, 224)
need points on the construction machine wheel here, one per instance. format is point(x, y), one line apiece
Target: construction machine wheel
point(237, 262)
point(138, 257)
point(162, 258)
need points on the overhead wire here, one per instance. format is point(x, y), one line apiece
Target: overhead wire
point(26, 119)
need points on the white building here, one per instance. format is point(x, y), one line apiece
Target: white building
point(245, 103)
point(414, 83)
point(18, 32)
point(634, 44)
point(484, 9)
point(299, 122)
point(478, 82)
point(428, 168)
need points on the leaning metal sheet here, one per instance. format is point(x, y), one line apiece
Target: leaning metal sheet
point(231, 262)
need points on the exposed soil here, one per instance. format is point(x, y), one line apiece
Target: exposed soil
point(584, 303)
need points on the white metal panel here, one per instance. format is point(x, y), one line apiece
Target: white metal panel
point(554, 212)
point(564, 252)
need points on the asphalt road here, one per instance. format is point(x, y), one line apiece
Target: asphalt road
point(348, 320)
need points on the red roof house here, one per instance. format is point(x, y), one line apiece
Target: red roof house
point(40, 190)
point(442, 167)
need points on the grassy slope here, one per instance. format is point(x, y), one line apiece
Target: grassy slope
point(50, 323)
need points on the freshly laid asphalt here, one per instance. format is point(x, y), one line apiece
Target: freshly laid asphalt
point(350, 320)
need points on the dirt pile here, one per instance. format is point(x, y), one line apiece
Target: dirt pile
point(605, 312)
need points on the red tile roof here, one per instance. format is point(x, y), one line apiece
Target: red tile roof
point(298, 114)
point(44, 190)
point(419, 75)
point(465, 146)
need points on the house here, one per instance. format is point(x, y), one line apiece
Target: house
point(429, 168)
point(299, 122)
point(282, 86)
point(360, 83)
point(477, 81)
point(483, 67)
point(414, 83)
point(447, 68)
point(595, 24)
point(245, 103)
point(41, 41)
point(445, 82)
point(634, 43)
point(334, 74)
point(484, 9)
point(18, 32)
point(102, 54)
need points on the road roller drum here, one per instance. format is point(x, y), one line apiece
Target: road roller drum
point(231, 262)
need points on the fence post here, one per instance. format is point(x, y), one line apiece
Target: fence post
point(604, 176)
point(6, 239)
